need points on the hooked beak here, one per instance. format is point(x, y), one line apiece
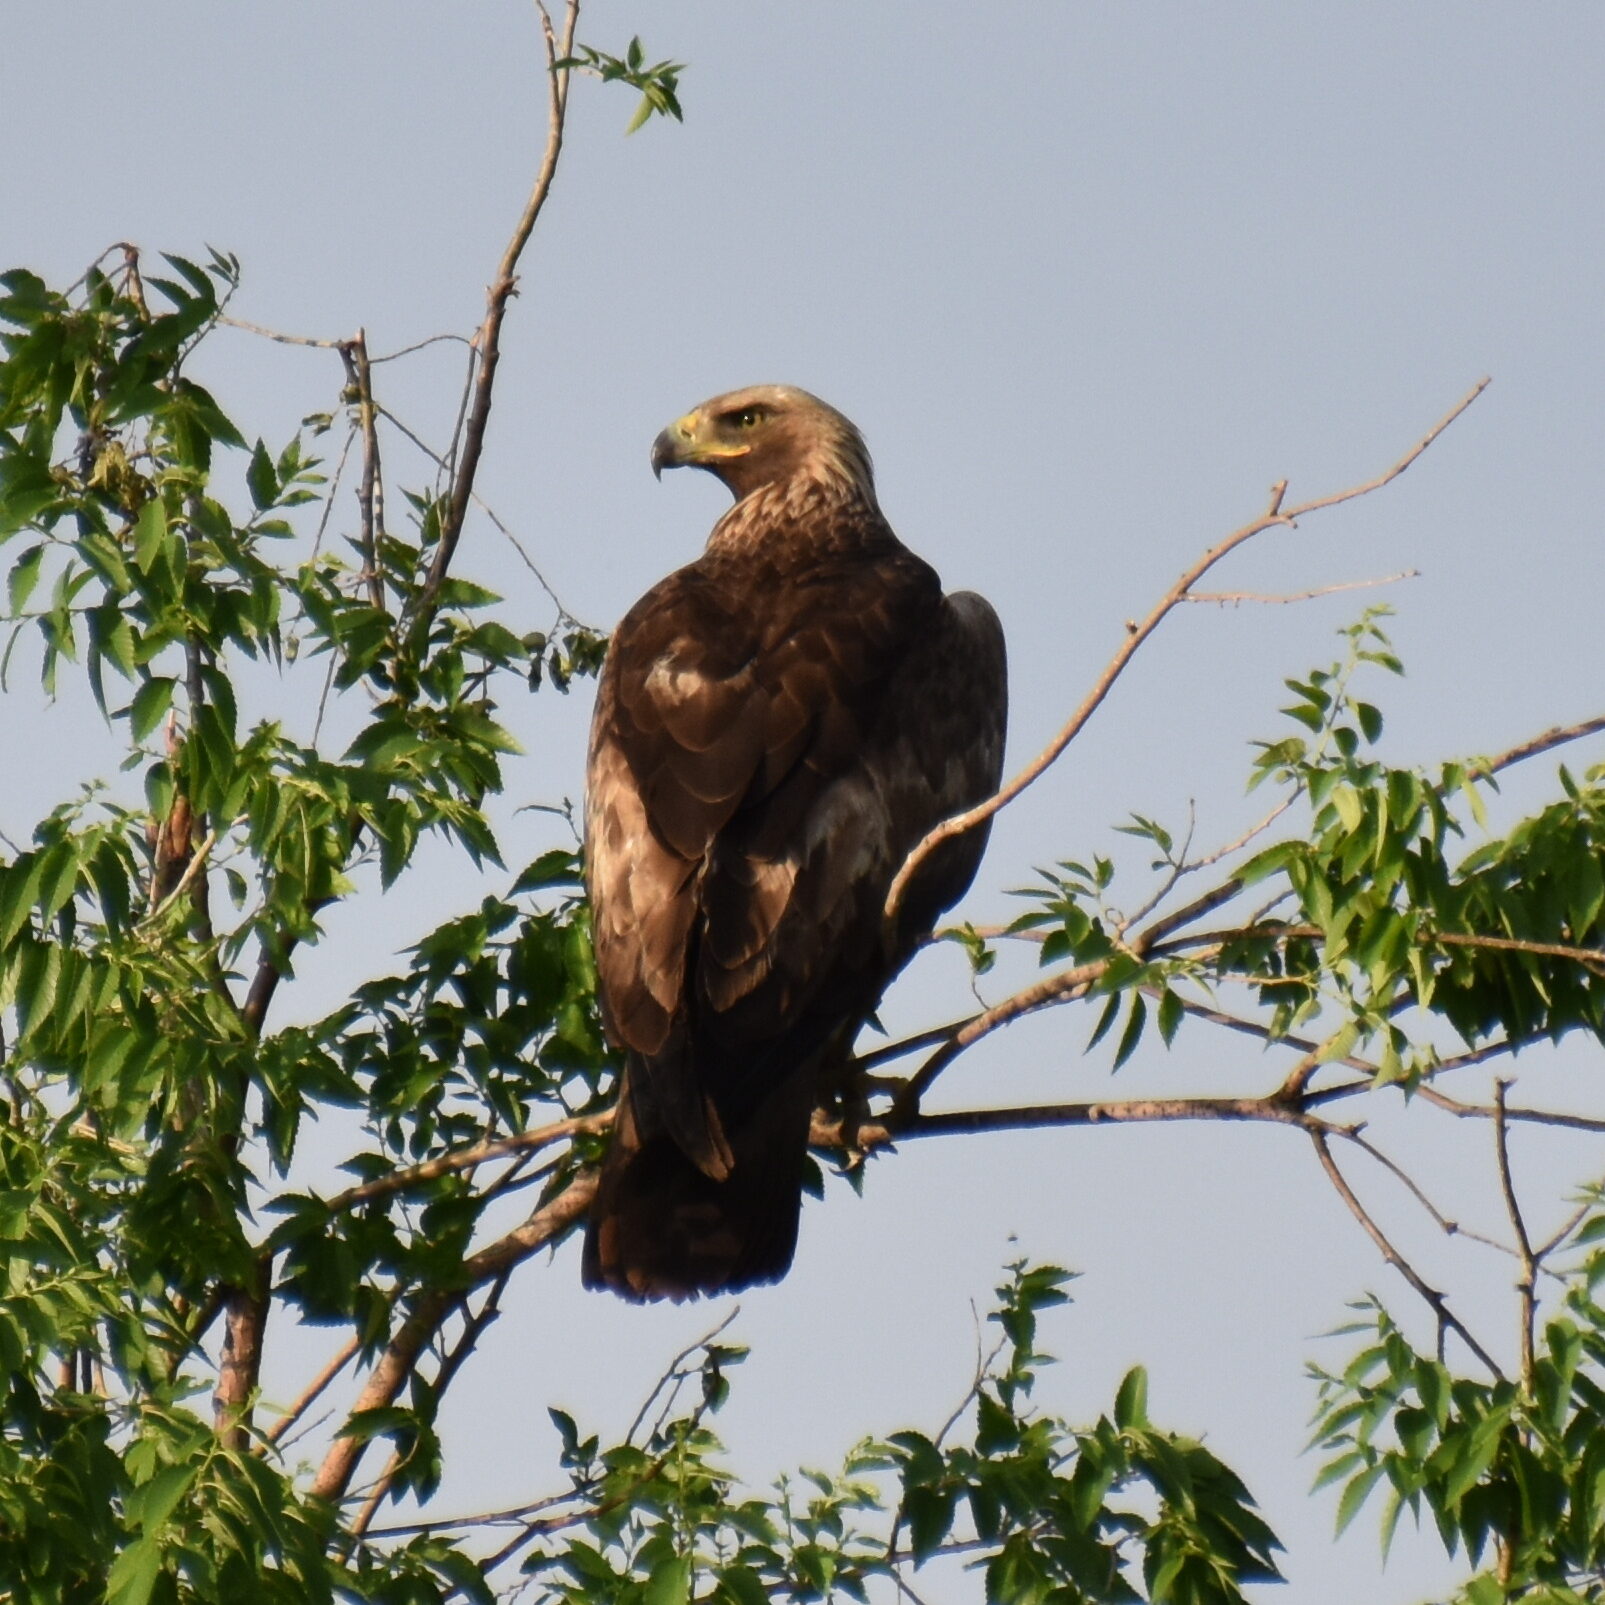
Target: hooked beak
point(669, 449)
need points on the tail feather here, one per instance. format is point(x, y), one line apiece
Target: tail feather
point(661, 1227)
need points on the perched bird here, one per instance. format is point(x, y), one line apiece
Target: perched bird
point(777, 725)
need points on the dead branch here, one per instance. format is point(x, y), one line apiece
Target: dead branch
point(283, 339)
point(1273, 516)
point(1447, 1319)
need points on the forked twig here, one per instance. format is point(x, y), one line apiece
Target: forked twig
point(1274, 515)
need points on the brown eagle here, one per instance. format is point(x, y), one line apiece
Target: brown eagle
point(777, 725)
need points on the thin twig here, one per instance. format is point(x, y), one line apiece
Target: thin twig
point(1234, 597)
point(314, 1389)
point(828, 1132)
point(502, 289)
point(672, 1372)
point(1273, 517)
point(522, 1142)
point(283, 339)
point(1439, 1305)
point(1060, 988)
point(564, 616)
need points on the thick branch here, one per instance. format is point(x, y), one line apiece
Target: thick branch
point(431, 1307)
point(1527, 1283)
point(1136, 634)
point(245, 1313)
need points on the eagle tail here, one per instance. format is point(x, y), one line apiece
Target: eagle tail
point(662, 1227)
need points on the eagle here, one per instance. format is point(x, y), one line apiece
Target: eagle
point(777, 725)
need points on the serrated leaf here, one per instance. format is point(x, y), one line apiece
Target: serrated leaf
point(24, 576)
point(150, 705)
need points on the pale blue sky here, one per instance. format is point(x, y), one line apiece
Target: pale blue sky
point(1090, 278)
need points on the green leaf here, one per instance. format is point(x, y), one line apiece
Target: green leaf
point(261, 479)
point(150, 534)
point(150, 705)
point(1131, 1402)
point(1132, 1035)
point(1356, 1494)
point(133, 1574)
point(670, 1582)
point(24, 576)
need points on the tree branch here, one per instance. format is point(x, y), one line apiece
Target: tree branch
point(1558, 737)
point(1137, 633)
point(1447, 1319)
point(502, 289)
point(1527, 1283)
point(370, 495)
point(314, 1390)
point(432, 1306)
point(523, 1142)
point(1222, 598)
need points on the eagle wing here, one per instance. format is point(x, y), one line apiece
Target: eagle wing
point(766, 750)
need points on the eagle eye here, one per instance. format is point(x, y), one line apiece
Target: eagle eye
point(746, 418)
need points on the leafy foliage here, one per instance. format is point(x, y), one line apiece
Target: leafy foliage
point(1120, 1511)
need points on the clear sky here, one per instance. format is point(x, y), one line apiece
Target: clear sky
point(1090, 278)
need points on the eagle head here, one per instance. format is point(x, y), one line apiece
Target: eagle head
point(767, 435)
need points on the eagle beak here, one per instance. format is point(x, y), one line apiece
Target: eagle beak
point(672, 449)
point(664, 453)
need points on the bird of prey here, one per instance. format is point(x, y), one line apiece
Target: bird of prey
point(777, 725)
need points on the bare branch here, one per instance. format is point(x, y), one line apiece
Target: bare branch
point(502, 289)
point(522, 1142)
point(1549, 740)
point(1236, 597)
point(1060, 988)
point(314, 1389)
point(283, 339)
point(473, 1329)
point(1447, 1319)
point(837, 1134)
point(1137, 633)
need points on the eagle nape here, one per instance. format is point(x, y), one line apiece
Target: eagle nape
point(777, 725)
